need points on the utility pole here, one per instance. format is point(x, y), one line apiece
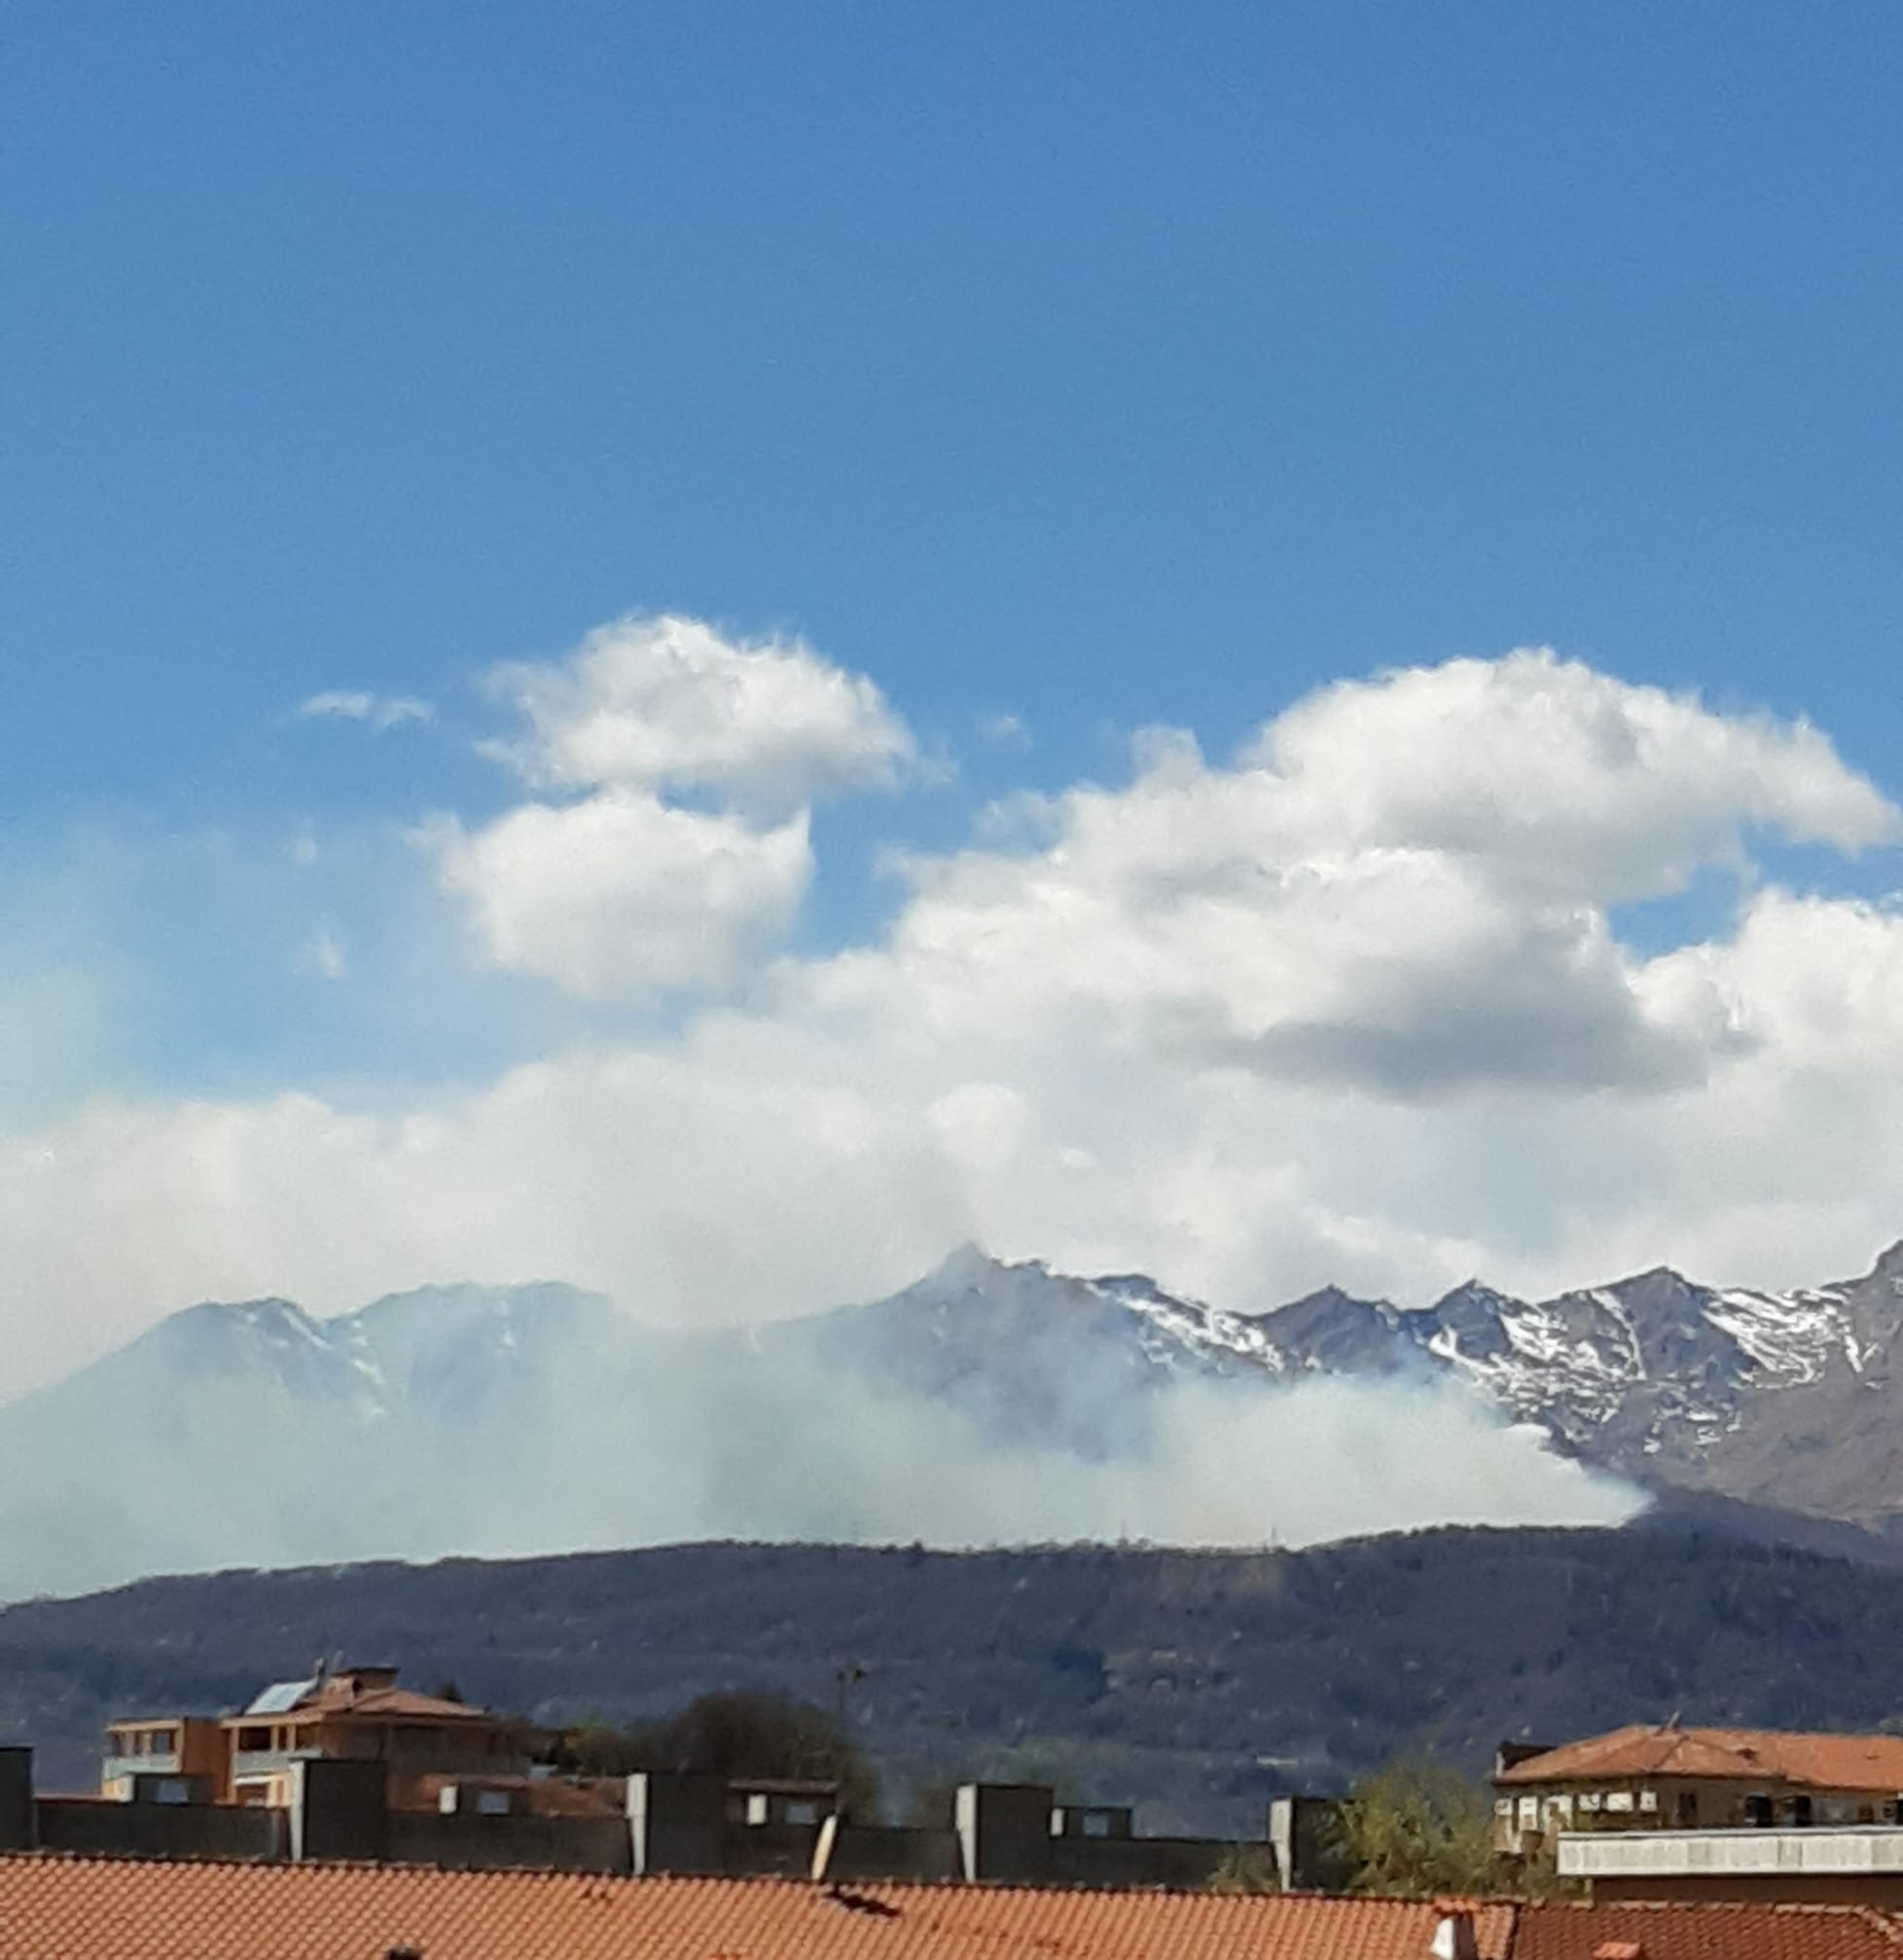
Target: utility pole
point(843, 1678)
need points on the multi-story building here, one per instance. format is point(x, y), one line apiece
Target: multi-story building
point(1673, 1779)
point(355, 1712)
point(185, 1749)
point(359, 1712)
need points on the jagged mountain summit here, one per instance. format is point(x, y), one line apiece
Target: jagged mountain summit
point(436, 1348)
point(1772, 1398)
point(528, 1418)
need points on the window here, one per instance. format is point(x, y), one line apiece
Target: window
point(258, 1739)
point(1685, 1810)
point(165, 1741)
point(1757, 1812)
point(492, 1802)
point(1800, 1812)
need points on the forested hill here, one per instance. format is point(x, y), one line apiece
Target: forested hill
point(1192, 1683)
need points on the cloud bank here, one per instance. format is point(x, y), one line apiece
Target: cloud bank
point(1359, 1002)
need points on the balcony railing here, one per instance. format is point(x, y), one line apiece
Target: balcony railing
point(112, 1767)
point(267, 1761)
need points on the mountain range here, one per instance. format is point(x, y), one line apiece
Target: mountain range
point(539, 1417)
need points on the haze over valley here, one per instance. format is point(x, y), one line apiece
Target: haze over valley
point(988, 1402)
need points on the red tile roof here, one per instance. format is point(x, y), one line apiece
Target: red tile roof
point(368, 1691)
point(67, 1908)
point(1677, 1931)
point(1866, 1762)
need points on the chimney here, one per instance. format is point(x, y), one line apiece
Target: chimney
point(1453, 1938)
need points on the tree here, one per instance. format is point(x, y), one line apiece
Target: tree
point(1249, 1868)
point(739, 1733)
point(1415, 1828)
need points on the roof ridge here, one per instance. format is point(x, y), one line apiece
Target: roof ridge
point(775, 1881)
point(1889, 1923)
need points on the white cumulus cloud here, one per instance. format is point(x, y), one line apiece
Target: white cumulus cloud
point(627, 893)
point(1354, 1005)
point(621, 896)
point(668, 704)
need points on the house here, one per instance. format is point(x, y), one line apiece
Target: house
point(1667, 1777)
point(354, 1712)
point(361, 1713)
point(183, 1750)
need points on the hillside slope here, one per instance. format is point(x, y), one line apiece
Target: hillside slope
point(1193, 1682)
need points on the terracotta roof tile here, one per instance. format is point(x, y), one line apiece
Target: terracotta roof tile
point(1552, 1931)
point(64, 1908)
point(1868, 1763)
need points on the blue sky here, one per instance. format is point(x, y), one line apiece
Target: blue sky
point(1090, 362)
point(1101, 366)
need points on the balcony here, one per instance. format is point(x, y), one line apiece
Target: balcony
point(248, 1763)
point(114, 1767)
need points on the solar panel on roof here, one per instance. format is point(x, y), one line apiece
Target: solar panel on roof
point(281, 1696)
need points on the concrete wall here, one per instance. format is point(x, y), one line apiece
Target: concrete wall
point(1304, 1842)
point(1006, 1836)
point(340, 1809)
point(468, 1842)
point(1859, 1865)
point(1177, 1864)
point(869, 1851)
point(677, 1823)
point(1005, 1831)
point(768, 1850)
point(110, 1830)
point(18, 1824)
